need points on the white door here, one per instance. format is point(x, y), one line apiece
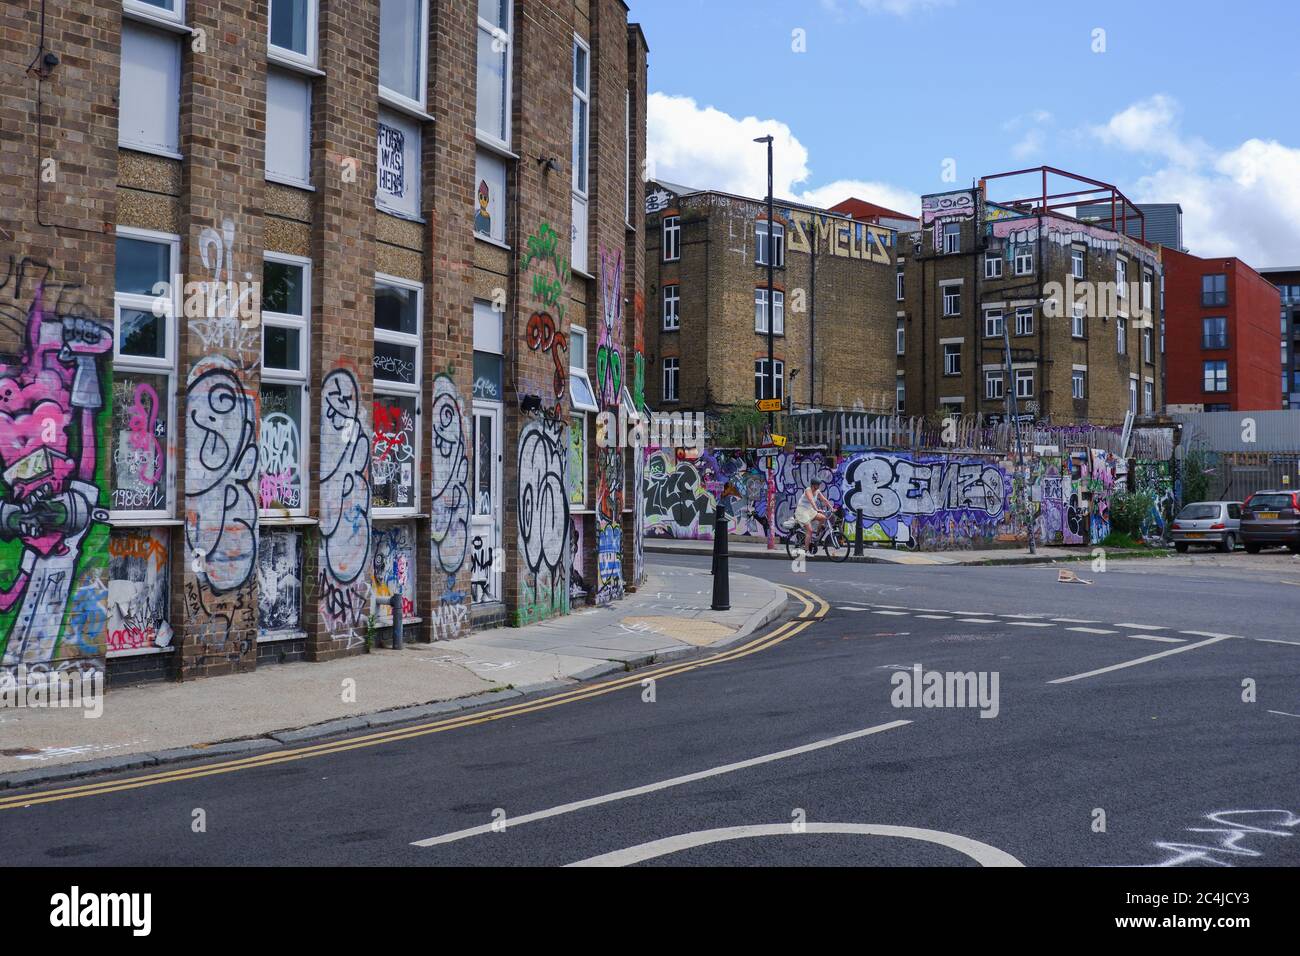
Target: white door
point(486, 558)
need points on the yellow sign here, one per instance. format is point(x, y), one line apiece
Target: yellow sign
point(769, 404)
point(778, 441)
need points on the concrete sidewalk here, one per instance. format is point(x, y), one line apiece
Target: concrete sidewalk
point(289, 703)
point(742, 548)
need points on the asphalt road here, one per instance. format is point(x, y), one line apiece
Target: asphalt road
point(1121, 697)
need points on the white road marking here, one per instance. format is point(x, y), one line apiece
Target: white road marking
point(1025, 616)
point(981, 853)
point(1210, 634)
point(892, 613)
point(1074, 620)
point(936, 617)
point(1143, 627)
point(1030, 623)
point(978, 620)
point(1283, 713)
point(1090, 630)
point(1266, 640)
point(1140, 660)
point(853, 609)
point(1157, 637)
point(511, 822)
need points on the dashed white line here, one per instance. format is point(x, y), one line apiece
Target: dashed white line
point(1090, 630)
point(1142, 627)
point(978, 620)
point(1074, 620)
point(936, 617)
point(1157, 637)
point(892, 613)
point(1030, 623)
point(1210, 634)
point(1283, 713)
point(1140, 660)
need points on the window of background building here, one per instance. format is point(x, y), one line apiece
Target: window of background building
point(778, 311)
point(992, 265)
point(286, 411)
point(1121, 278)
point(1214, 333)
point(760, 243)
point(149, 98)
point(490, 196)
point(395, 458)
point(952, 359)
point(1024, 260)
point(1077, 258)
point(993, 384)
point(581, 144)
point(145, 306)
point(291, 32)
point(403, 51)
point(993, 323)
point(952, 237)
point(900, 397)
point(1025, 320)
point(672, 301)
point(1148, 397)
point(581, 395)
point(951, 300)
point(671, 369)
point(1216, 376)
point(495, 42)
point(1078, 383)
point(288, 128)
point(163, 9)
point(899, 285)
point(761, 383)
point(398, 182)
point(1133, 395)
point(1214, 290)
point(1024, 383)
point(1147, 355)
point(672, 238)
point(900, 337)
point(1121, 336)
point(1076, 320)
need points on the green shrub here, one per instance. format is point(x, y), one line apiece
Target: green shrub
point(1129, 511)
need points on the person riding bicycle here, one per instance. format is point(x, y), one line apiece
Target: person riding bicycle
point(808, 513)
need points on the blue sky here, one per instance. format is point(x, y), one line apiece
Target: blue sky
point(1186, 103)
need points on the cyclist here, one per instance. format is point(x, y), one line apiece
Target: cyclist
point(808, 514)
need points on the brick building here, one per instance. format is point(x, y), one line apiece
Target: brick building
point(305, 307)
point(1287, 281)
point(1221, 336)
point(1080, 303)
point(706, 282)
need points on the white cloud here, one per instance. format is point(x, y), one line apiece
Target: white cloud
point(1034, 136)
point(1244, 201)
point(706, 148)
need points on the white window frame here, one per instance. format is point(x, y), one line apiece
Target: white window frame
point(1024, 260)
point(505, 34)
point(1025, 320)
point(581, 168)
point(1208, 377)
point(760, 311)
point(672, 238)
point(287, 57)
point(992, 266)
point(1024, 375)
point(487, 157)
point(1121, 278)
point(951, 301)
point(672, 365)
point(951, 231)
point(1079, 383)
point(900, 396)
point(1148, 279)
point(413, 177)
point(1133, 394)
point(1121, 335)
point(277, 177)
point(778, 383)
point(153, 12)
point(401, 101)
point(402, 390)
point(1148, 396)
point(952, 359)
point(672, 318)
point(992, 378)
point(155, 25)
point(167, 365)
point(994, 323)
point(1076, 320)
point(1078, 262)
point(300, 378)
point(578, 369)
point(899, 285)
point(900, 337)
point(761, 243)
point(1147, 345)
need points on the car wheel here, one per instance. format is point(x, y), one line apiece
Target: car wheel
point(1251, 548)
point(1229, 544)
point(1180, 547)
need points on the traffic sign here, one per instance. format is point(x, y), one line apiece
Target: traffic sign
point(769, 404)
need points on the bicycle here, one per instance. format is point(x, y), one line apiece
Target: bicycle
point(830, 537)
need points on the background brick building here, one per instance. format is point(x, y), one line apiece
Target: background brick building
point(291, 300)
point(1287, 281)
point(1222, 335)
point(707, 286)
point(1079, 352)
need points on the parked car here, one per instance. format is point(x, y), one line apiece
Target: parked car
point(1271, 518)
point(1207, 522)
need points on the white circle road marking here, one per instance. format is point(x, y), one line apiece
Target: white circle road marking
point(981, 853)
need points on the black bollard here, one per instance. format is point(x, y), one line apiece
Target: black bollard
point(395, 602)
point(857, 534)
point(721, 579)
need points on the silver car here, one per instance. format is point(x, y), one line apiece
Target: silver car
point(1208, 522)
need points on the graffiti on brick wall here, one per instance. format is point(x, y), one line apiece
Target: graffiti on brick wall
point(481, 559)
point(220, 508)
point(543, 518)
point(53, 418)
point(1155, 478)
point(609, 341)
point(609, 461)
point(542, 248)
point(228, 311)
point(139, 424)
point(393, 569)
point(392, 464)
point(543, 336)
point(280, 579)
point(1100, 484)
point(449, 518)
point(139, 591)
point(279, 454)
point(344, 589)
point(577, 568)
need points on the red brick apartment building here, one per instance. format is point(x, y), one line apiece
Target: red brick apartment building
point(1222, 338)
point(306, 307)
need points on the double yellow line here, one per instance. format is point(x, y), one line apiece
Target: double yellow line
point(814, 609)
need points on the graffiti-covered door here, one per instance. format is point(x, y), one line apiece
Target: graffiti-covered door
point(485, 529)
